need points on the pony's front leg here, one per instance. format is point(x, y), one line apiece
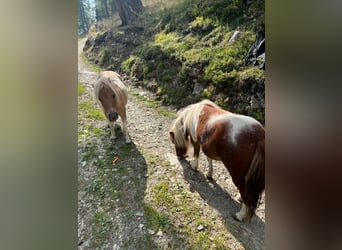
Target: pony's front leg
point(210, 166)
point(112, 130)
point(197, 148)
point(124, 124)
point(242, 214)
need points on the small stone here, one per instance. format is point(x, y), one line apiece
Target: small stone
point(140, 214)
point(159, 233)
point(141, 225)
point(200, 228)
point(150, 231)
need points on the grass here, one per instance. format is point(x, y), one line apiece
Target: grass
point(101, 228)
point(109, 185)
point(155, 220)
point(93, 67)
point(89, 110)
point(167, 202)
point(155, 104)
point(173, 202)
point(110, 188)
point(81, 89)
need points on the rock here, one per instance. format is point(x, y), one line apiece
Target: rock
point(139, 213)
point(150, 231)
point(197, 89)
point(142, 93)
point(200, 228)
point(234, 37)
point(254, 102)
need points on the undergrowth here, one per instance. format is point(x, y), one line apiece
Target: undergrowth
point(186, 50)
point(201, 42)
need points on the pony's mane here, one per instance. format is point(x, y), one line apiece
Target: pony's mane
point(114, 83)
point(187, 120)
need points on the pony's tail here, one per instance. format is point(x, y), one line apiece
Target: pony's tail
point(255, 179)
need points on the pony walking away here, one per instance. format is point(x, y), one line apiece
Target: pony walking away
point(236, 140)
point(111, 94)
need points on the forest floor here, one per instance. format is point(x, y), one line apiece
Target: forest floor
point(148, 198)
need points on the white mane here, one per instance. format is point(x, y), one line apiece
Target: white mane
point(187, 122)
point(114, 83)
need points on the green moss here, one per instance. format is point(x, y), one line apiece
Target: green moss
point(127, 64)
point(104, 57)
point(93, 67)
point(203, 25)
point(81, 89)
point(152, 52)
point(251, 74)
point(206, 94)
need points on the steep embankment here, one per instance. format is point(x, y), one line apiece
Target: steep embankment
point(194, 50)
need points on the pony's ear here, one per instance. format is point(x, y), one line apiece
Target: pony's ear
point(172, 136)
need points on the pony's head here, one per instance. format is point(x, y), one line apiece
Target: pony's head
point(111, 94)
point(108, 100)
point(179, 137)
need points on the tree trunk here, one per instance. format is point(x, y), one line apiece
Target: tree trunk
point(105, 8)
point(128, 10)
point(84, 21)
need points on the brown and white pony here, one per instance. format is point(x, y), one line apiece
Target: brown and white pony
point(111, 94)
point(236, 140)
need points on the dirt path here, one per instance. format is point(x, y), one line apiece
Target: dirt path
point(149, 199)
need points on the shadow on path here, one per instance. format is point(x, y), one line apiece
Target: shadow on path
point(250, 234)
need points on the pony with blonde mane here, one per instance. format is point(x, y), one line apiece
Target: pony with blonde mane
point(236, 140)
point(111, 94)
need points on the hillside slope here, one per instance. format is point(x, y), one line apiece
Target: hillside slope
point(194, 50)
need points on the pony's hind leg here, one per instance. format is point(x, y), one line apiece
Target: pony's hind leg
point(242, 214)
point(210, 166)
point(197, 148)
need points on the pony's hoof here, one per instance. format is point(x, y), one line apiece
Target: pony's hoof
point(238, 217)
point(194, 166)
point(194, 169)
point(127, 139)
